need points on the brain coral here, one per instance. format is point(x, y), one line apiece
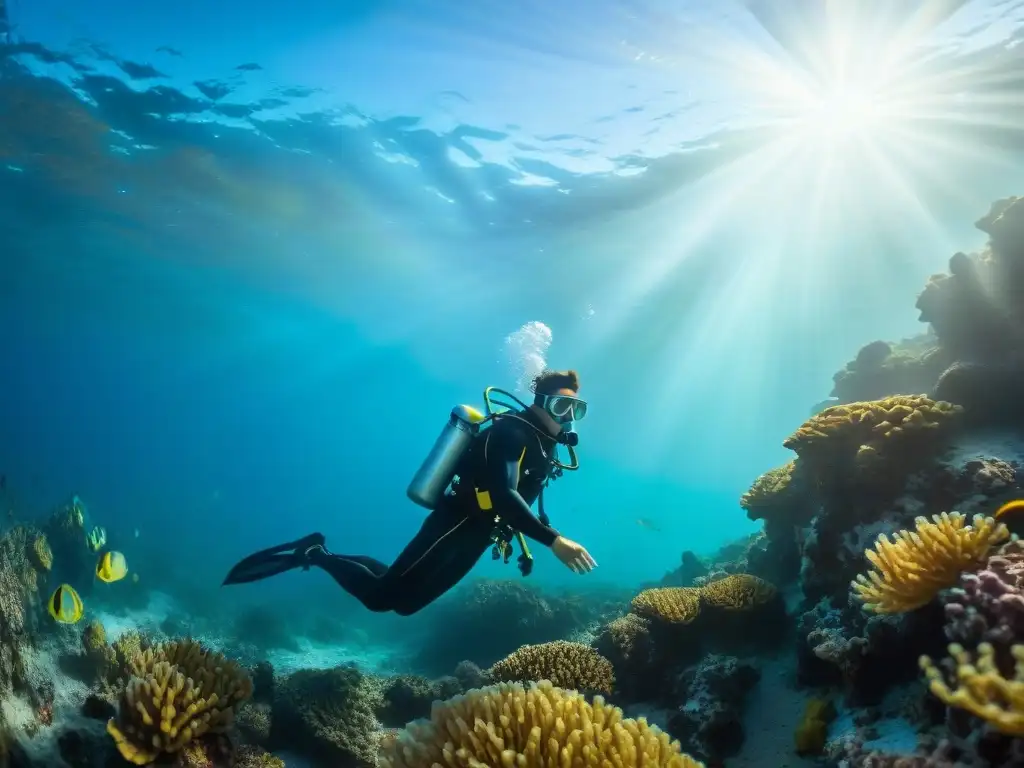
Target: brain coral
point(509, 725)
point(674, 605)
point(565, 664)
point(868, 429)
point(773, 491)
point(738, 591)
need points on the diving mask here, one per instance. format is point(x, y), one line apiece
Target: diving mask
point(563, 408)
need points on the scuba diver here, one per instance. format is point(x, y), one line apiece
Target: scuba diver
point(480, 485)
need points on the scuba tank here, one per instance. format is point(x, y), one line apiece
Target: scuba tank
point(439, 467)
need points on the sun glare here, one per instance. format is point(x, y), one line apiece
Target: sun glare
point(844, 114)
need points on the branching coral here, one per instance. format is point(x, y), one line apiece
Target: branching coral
point(738, 591)
point(512, 725)
point(868, 430)
point(673, 605)
point(567, 665)
point(911, 570)
point(179, 691)
point(981, 688)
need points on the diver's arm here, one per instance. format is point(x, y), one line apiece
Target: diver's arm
point(504, 454)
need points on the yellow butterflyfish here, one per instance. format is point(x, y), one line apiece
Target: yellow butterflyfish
point(111, 567)
point(65, 605)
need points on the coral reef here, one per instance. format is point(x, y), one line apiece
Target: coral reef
point(873, 436)
point(710, 722)
point(509, 724)
point(487, 619)
point(981, 688)
point(330, 715)
point(911, 570)
point(178, 692)
point(671, 605)
point(405, 698)
point(566, 665)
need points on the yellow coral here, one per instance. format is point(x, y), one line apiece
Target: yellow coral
point(675, 605)
point(981, 688)
point(565, 664)
point(770, 491)
point(812, 731)
point(179, 691)
point(42, 555)
point(912, 569)
point(509, 725)
point(869, 427)
point(738, 591)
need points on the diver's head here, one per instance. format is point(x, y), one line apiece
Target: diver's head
point(556, 393)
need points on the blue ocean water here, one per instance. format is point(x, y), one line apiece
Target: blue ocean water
point(254, 253)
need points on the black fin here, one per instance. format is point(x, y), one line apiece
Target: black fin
point(272, 561)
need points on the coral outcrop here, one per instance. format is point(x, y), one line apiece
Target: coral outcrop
point(178, 692)
point(512, 725)
point(566, 665)
point(710, 722)
point(329, 715)
point(487, 619)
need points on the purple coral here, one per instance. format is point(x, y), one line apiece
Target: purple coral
point(989, 606)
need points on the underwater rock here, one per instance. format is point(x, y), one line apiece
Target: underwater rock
point(710, 722)
point(97, 708)
point(328, 715)
point(253, 722)
point(487, 619)
point(469, 675)
point(989, 392)
point(262, 673)
point(81, 748)
point(882, 370)
point(866, 653)
point(409, 697)
point(23, 590)
point(690, 568)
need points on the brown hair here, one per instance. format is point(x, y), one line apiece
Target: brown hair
point(549, 382)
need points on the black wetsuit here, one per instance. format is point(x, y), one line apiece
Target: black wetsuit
point(505, 470)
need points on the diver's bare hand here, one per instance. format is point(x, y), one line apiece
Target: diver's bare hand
point(573, 555)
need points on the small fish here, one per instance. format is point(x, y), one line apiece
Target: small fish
point(96, 538)
point(135, 578)
point(136, 533)
point(643, 522)
point(1010, 506)
point(65, 605)
point(111, 567)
